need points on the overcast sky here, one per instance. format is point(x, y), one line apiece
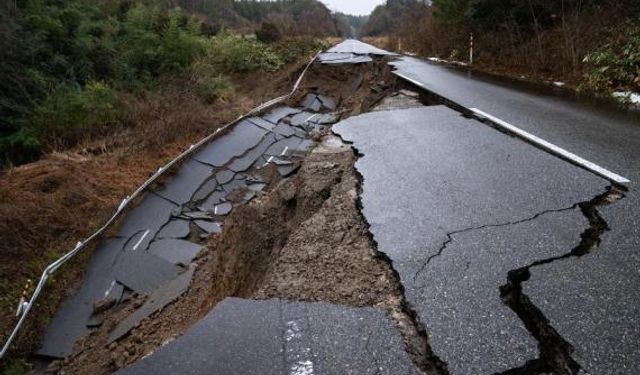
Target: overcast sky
point(355, 7)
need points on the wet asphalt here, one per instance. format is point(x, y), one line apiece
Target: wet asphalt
point(592, 301)
point(276, 337)
point(458, 207)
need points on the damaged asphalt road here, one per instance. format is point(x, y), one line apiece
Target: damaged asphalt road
point(591, 301)
point(488, 204)
point(456, 248)
point(277, 337)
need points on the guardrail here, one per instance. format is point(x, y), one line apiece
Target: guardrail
point(25, 307)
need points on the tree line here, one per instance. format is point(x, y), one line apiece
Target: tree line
point(589, 41)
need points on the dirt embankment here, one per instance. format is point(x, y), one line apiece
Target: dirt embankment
point(48, 205)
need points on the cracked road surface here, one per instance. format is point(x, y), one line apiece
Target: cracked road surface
point(508, 259)
point(472, 205)
point(591, 301)
point(276, 337)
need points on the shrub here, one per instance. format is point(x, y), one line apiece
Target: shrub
point(208, 83)
point(232, 53)
point(616, 65)
point(290, 49)
point(71, 112)
point(268, 33)
point(180, 45)
point(19, 147)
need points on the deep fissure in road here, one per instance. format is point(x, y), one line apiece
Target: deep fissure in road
point(408, 322)
point(555, 351)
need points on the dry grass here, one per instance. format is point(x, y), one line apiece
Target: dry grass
point(48, 205)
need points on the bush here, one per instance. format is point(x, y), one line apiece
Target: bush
point(232, 53)
point(208, 83)
point(70, 113)
point(290, 49)
point(268, 33)
point(616, 65)
point(153, 42)
point(19, 147)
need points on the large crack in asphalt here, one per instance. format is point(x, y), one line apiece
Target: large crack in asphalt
point(450, 235)
point(555, 352)
point(406, 318)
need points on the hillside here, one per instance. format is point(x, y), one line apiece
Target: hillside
point(66, 68)
point(292, 17)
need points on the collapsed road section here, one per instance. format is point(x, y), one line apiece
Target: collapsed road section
point(273, 250)
point(267, 212)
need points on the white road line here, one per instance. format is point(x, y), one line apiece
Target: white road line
point(550, 147)
point(135, 247)
point(310, 117)
point(111, 286)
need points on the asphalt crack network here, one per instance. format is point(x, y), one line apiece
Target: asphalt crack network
point(450, 235)
point(555, 351)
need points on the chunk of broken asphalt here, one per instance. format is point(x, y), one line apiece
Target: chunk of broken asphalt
point(181, 187)
point(157, 271)
point(222, 209)
point(241, 138)
point(205, 189)
point(150, 215)
point(157, 300)
point(327, 102)
point(311, 102)
point(244, 162)
point(277, 114)
point(284, 130)
point(224, 176)
point(175, 251)
point(214, 199)
point(287, 170)
point(302, 119)
point(209, 226)
point(258, 121)
point(176, 228)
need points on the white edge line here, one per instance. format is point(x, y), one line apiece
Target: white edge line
point(135, 247)
point(550, 147)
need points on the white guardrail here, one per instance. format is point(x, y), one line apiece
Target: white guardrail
point(25, 307)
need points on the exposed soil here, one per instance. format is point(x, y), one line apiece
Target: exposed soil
point(304, 240)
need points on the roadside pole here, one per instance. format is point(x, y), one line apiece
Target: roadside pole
point(470, 48)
